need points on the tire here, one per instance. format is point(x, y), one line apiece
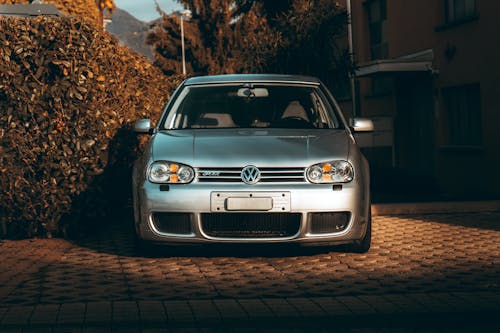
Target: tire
point(363, 245)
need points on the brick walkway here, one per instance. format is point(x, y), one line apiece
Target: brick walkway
point(422, 270)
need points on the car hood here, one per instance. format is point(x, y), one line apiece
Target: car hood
point(260, 147)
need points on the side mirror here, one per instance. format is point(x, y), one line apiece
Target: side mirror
point(361, 124)
point(142, 126)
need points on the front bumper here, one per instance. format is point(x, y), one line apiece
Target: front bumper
point(304, 199)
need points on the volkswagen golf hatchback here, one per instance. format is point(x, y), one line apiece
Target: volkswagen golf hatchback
point(253, 159)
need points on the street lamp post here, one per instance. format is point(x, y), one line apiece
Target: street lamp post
point(183, 48)
point(184, 15)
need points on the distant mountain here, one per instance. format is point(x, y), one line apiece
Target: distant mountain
point(130, 31)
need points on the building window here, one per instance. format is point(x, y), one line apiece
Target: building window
point(463, 111)
point(459, 10)
point(377, 17)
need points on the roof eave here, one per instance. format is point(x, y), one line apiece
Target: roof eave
point(385, 67)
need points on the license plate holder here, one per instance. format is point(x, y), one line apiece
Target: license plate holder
point(250, 201)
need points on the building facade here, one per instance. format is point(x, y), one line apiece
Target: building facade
point(428, 74)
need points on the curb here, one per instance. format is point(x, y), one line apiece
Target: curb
point(452, 309)
point(436, 207)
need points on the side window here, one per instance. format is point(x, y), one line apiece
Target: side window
point(322, 120)
point(331, 113)
point(458, 10)
point(176, 119)
point(463, 115)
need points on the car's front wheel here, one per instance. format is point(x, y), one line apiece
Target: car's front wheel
point(363, 245)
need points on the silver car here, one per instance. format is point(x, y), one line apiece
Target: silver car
point(253, 159)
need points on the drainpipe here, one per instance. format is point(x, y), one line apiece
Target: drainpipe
point(351, 57)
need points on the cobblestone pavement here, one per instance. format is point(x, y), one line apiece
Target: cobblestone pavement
point(426, 263)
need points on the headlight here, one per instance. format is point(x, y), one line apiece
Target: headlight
point(330, 172)
point(170, 173)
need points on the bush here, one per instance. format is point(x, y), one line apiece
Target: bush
point(68, 92)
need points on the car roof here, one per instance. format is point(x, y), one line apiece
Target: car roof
point(252, 78)
point(30, 10)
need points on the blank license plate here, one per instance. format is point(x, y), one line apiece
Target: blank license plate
point(261, 204)
point(250, 201)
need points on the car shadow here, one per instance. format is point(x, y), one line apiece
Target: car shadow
point(239, 251)
point(116, 236)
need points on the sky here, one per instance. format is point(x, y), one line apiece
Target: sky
point(145, 10)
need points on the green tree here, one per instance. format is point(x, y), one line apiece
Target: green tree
point(219, 38)
point(257, 43)
point(314, 42)
point(238, 36)
point(313, 38)
point(208, 38)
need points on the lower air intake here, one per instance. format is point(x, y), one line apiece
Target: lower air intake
point(329, 222)
point(172, 223)
point(251, 225)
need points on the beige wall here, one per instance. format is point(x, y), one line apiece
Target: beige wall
point(415, 26)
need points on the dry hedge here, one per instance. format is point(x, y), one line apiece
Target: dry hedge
point(68, 93)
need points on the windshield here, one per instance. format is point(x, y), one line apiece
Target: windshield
point(251, 106)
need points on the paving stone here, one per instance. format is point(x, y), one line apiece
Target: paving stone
point(280, 307)
point(156, 330)
point(411, 254)
point(3, 311)
point(356, 305)
point(35, 330)
point(11, 330)
point(256, 308)
point(333, 307)
point(98, 312)
point(230, 309)
point(479, 302)
point(431, 302)
point(125, 312)
point(45, 314)
point(76, 329)
point(405, 303)
point(417, 264)
point(204, 310)
point(127, 329)
point(72, 313)
point(306, 307)
point(17, 315)
point(380, 304)
point(178, 311)
point(97, 329)
point(185, 330)
point(152, 312)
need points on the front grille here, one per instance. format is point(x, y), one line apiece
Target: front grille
point(172, 223)
point(251, 225)
point(329, 222)
point(267, 175)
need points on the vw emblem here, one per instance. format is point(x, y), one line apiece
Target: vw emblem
point(250, 175)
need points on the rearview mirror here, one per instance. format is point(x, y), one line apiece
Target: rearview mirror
point(361, 124)
point(142, 126)
point(253, 92)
